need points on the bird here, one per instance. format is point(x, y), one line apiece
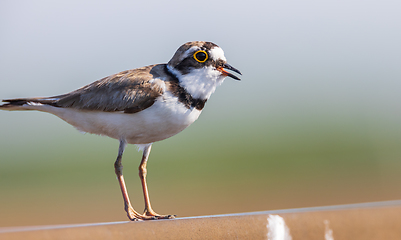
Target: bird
point(141, 106)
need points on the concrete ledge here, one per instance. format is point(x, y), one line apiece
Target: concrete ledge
point(378, 220)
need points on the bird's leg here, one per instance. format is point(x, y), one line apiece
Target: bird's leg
point(142, 174)
point(118, 167)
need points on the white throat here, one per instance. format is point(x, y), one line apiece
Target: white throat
point(200, 83)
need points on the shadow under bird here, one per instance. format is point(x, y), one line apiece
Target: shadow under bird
point(141, 106)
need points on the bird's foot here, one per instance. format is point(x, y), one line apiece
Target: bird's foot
point(147, 215)
point(154, 215)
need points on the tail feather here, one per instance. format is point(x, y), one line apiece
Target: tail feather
point(22, 103)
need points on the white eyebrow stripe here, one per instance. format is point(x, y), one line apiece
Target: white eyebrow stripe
point(217, 53)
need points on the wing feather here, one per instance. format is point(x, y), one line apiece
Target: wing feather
point(130, 91)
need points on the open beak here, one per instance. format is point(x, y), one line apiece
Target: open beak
point(229, 67)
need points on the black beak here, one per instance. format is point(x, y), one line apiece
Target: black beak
point(229, 67)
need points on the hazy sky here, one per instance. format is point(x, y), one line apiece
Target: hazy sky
point(305, 56)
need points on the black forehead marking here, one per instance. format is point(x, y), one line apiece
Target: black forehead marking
point(209, 45)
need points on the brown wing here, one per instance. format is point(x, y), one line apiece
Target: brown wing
point(129, 91)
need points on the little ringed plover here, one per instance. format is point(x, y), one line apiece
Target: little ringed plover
point(141, 106)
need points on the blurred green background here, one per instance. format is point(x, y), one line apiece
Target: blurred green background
point(315, 120)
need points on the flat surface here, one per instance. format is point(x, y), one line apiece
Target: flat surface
point(378, 220)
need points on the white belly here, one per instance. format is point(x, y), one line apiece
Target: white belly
point(165, 118)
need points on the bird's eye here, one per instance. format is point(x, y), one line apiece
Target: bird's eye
point(201, 56)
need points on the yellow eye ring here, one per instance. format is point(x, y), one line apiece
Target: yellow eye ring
point(201, 56)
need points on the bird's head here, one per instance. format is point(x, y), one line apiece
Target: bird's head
point(200, 67)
